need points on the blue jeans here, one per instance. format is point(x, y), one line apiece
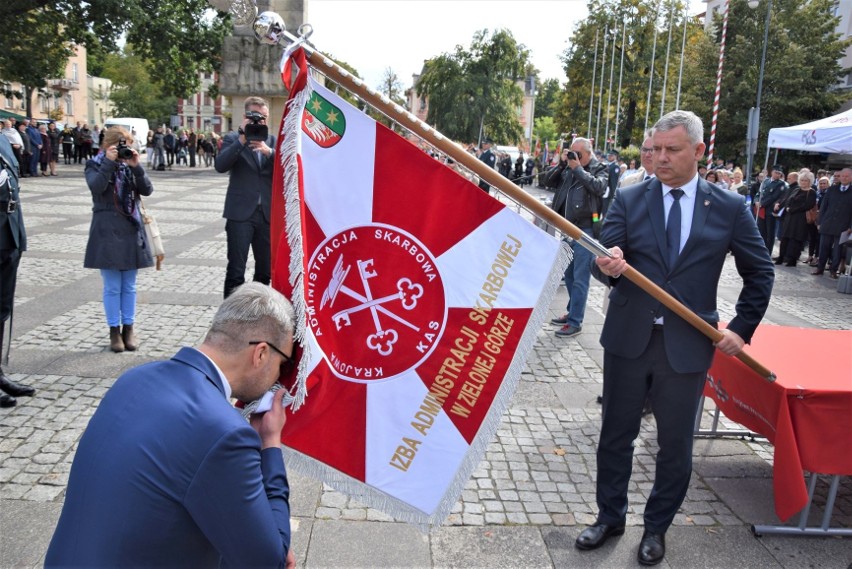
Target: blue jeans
point(577, 277)
point(35, 157)
point(119, 296)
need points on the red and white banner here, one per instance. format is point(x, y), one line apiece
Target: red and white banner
point(418, 298)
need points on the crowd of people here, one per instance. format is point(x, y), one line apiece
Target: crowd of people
point(40, 145)
point(650, 355)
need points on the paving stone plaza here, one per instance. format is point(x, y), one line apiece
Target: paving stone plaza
point(523, 506)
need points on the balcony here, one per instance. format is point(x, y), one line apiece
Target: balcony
point(63, 84)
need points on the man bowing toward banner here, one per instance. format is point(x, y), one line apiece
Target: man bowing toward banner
point(168, 473)
point(676, 230)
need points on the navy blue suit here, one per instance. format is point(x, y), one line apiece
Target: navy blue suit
point(668, 364)
point(168, 473)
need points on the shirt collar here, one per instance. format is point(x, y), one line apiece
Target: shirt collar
point(224, 380)
point(690, 188)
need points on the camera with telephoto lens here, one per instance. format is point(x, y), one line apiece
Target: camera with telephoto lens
point(124, 151)
point(254, 131)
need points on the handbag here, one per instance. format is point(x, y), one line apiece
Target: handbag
point(152, 235)
point(812, 215)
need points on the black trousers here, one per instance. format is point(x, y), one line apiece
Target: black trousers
point(829, 250)
point(768, 228)
point(9, 261)
point(674, 399)
point(254, 233)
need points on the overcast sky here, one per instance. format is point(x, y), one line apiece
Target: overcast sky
point(371, 35)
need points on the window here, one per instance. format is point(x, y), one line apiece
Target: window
point(10, 104)
point(74, 72)
point(44, 104)
point(69, 106)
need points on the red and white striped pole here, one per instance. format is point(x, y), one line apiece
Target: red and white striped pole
point(718, 85)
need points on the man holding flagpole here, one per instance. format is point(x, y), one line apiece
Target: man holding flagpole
point(675, 229)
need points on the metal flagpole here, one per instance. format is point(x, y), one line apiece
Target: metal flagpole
point(592, 89)
point(682, 50)
point(380, 102)
point(718, 85)
point(666, 71)
point(609, 92)
point(600, 91)
point(620, 75)
point(651, 74)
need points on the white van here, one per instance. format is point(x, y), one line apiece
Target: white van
point(130, 124)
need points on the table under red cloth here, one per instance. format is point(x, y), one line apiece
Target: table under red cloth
point(806, 413)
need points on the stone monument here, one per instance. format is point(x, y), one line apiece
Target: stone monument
point(250, 68)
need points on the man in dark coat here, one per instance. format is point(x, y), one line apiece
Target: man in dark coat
point(248, 199)
point(771, 192)
point(489, 159)
point(676, 230)
point(13, 242)
point(835, 217)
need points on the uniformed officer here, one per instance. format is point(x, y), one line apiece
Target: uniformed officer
point(13, 241)
point(489, 158)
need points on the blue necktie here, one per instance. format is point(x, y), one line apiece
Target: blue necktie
point(673, 227)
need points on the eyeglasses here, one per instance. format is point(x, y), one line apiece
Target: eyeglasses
point(647, 150)
point(286, 364)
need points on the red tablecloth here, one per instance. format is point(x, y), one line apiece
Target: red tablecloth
point(806, 413)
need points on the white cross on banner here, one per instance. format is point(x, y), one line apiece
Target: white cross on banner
point(418, 298)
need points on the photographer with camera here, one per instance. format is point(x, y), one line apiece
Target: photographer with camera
point(117, 244)
point(248, 155)
point(580, 181)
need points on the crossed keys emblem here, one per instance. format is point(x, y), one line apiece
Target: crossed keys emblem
point(407, 294)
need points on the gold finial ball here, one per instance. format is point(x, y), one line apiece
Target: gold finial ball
point(269, 28)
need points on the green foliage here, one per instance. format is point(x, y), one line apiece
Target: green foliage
point(473, 91)
point(547, 98)
point(630, 24)
point(801, 70)
point(544, 128)
point(391, 87)
point(179, 37)
point(136, 91)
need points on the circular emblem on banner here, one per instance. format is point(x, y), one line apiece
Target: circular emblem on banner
point(375, 302)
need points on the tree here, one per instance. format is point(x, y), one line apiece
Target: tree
point(137, 92)
point(473, 92)
point(631, 26)
point(179, 37)
point(801, 71)
point(545, 129)
point(547, 98)
point(391, 87)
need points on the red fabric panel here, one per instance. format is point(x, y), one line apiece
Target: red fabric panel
point(332, 425)
point(806, 413)
point(474, 386)
point(410, 192)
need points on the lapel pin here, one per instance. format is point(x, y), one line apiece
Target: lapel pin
point(706, 203)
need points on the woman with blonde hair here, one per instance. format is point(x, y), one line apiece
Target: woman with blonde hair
point(794, 223)
point(117, 244)
point(737, 183)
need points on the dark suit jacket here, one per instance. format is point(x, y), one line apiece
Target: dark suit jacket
point(168, 473)
point(721, 223)
point(248, 179)
point(12, 232)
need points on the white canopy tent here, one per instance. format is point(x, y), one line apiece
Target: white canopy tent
point(832, 135)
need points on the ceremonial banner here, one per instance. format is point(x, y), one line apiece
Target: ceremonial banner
point(418, 297)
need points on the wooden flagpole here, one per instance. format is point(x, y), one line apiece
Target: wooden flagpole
point(395, 112)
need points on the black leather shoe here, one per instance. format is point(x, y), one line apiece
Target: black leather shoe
point(652, 548)
point(7, 401)
point(14, 389)
point(595, 536)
